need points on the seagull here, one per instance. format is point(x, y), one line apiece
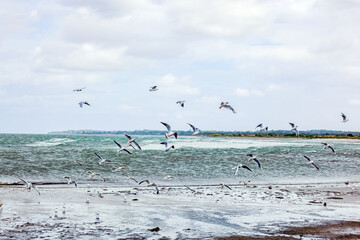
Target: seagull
point(264, 129)
point(311, 162)
point(259, 126)
point(83, 102)
point(132, 141)
point(328, 146)
point(170, 132)
point(153, 89)
point(70, 181)
point(294, 129)
point(253, 158)
point(79, 89)
point(226, 105)
point(150, 185)
point(122, 148)
point(29, 185)
point(344, 118)
point(78, 163)
point(167, 177)
point(93, 174)
point(167, 148)
point(102, 161)
point(182, 103)
point(224, 185)
point(131, 178)
point(241, 166)
point(118, 169)
point(195, 129)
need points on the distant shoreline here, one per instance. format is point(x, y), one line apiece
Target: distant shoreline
point(284, 136)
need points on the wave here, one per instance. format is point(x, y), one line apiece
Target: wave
point(51, 142)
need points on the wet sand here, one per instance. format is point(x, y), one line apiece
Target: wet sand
point(293, 211)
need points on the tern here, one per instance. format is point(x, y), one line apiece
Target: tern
point(170, 132)
point(294, 129)
point(102, 161)
point(83, 103)
point(70, 181)
point(131, 142)
point(153, 89)
point(226, 105)
point(253, 158)
point(29, 185)
point(79, 89)
point(150, 185)
point(311, 162)
point(122, 148)
point(328, 146)
point(182, 103)
point(167, 148)
point(345, 119)
point(240, 166)
point(195, 129)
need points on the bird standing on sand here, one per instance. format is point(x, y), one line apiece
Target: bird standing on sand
point(182, 103)
point(170, 132)
point(131, 142)
point(253, 158)
point(83, 103)
point(345, 119)
point(195, 129)
point(226, 105)
point(153, 89)
point(328, 146)
point(311, 162)
point(29, 185)
point(240, 166)
point(122, 148)
point(167, 148)
point(294, 129)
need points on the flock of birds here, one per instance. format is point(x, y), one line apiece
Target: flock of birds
point(132, 143)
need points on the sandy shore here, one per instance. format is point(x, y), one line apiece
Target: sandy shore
point(211, 212)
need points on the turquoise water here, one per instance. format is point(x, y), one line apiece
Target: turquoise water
point(195, 160)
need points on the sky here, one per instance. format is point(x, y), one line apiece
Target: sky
point(275, 62)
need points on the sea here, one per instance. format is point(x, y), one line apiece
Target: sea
point(47, 158)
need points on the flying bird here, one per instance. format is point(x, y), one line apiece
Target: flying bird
point(170, 132)
point(83, 103)
point(226, 105)
point(79, 89)
point(224, 185)
point(182, 103)
point(311, 162)
point(259, 126)
point(131, 142)
point(345, 119)
point(263, 129)
point(153, 89)
point(93, 174)
point(240, 166)
point(253, 158)
point(102, 161)
point(122, 148)
point(294, 129)
point(131, 178)
point(195, 129)
point(70, 181)
point(29, 185)
point(328, 146)
point(167, 148)
point(150, 185)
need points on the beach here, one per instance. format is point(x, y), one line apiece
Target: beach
point(180, 212)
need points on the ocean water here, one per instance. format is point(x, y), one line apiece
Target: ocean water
point(195, 159)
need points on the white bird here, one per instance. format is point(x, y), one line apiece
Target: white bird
point(294, 129)
point(131, 142)
point(345, 119)
point(170, 132)
point(83, 103)
point(167, 177)
point(131, 178)
point(226, 105)
point(253, 158)
point(122, 148)
point(311, 162)
point(150, 185)
point(224, 185)
point(93, 174)
point(153, 89)
point(328, 146)
point(182, 103)
point(102, 161)
point(118, 169)
point(167, 148)
point(29, 185)
point(70, 181)
point(195, 129)
point(79, 89)
point(240, 166)
point(77, 162)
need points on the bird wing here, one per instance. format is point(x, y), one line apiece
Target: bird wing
point(227, 186)
point(246, 167)
point(98, 156)
point(147, 181)
point(36, 189)
point(24, 181)
point(292, 125)
point(165, 143)
point(193, 128)
point(258, 163)
point(259, 126)
point(117, 144)
point(231, 108)
point(236, 170)
point(315, 166)
point(81, 104)
point(307, 158)
point(167, 126)
point(332, 149)
point(128, 136)
point(127, 151)
point(137, 144)
point(76, 185)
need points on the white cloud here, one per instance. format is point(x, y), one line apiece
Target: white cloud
point(170, 85)
point(209, 100)
point(355, 102)
point(243, 92)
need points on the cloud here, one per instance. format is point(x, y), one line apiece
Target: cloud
point(209, 100)
point(170, 85)
point(355, 102)
point(243, 92)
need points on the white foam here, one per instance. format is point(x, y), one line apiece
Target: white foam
point(51, 142)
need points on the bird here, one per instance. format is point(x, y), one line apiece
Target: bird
point(170, 132)
point(93, 174)
point(84, 103)
point(226, 105)
point(118, 169)
point(224, 185)
point(195, 129)
point(259, 126)
point(167, 177)
point(253, 158)
point(345, 119)
point(182, 103)
point(131, 142)
point(263, 129)
point(294, 129)
point(70, 181)
point(240, 166)
point(150, 185)
point(153, 89)
point(29, 185)
point(122, 148)
point(77, 162)
point(311, 162)
point(328, 146)
point(131, 178)
point(167, 148)
point(79, 89)
point(102, 161)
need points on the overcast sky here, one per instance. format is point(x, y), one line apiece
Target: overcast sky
point(275, 62)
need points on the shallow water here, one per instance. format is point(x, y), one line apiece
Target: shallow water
point(196, 160)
